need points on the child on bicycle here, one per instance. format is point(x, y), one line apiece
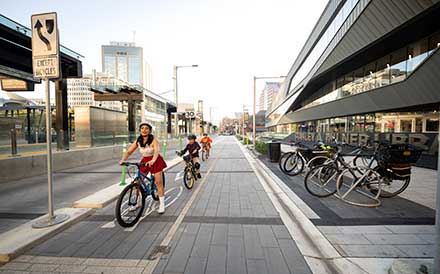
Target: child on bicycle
point(193, 148)
point(151, 160)
point(206, 140)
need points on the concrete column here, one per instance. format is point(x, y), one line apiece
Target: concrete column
point(62, 116)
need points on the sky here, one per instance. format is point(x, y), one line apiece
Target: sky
point(229, 40)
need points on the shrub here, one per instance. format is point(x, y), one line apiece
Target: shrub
point(261, 147)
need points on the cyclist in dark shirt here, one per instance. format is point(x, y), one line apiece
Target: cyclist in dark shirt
point(193, 148)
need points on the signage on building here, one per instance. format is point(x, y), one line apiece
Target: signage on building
point(45, 46)
point(17, 85)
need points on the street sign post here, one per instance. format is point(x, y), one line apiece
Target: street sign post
point(46, 65)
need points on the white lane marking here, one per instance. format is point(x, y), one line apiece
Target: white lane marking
point(153, 206)
point(166, 241)
point(111, 224)
point(179, 176)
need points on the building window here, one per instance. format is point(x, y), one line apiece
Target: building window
point(432, 125)
point(110, 65)
point(398, 65)
point(122, 68)
point(417, 53)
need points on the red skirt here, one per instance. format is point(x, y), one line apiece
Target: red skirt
point(158, 166)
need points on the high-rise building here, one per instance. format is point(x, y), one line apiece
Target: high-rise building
point(269, 91)
point(124, 61)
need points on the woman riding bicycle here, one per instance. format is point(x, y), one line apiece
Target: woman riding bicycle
point(151, 160)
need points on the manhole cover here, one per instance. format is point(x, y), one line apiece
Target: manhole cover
point(159, 250)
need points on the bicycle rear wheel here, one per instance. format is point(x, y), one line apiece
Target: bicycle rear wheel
point(391, 187)
point(130, 205)
point(188, 179)
point(294, 164)
point(320, 181)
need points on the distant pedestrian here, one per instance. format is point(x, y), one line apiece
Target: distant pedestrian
point(151, 161)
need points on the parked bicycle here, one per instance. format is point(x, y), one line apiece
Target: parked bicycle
point(131, 202)
point(294, 162)
point(386, 174)
point(189, 173)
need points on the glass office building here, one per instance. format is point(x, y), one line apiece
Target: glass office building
point(370, 69)
point(124, 61)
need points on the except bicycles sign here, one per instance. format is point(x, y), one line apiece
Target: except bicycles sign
point(45, 46)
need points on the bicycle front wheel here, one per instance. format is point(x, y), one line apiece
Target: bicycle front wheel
point(130, 205)
point(320, 181)
point(188, 179)
point(203, 155)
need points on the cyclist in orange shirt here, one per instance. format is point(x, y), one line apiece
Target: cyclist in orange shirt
point(206, 140)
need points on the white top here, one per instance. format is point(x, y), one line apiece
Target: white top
point(146, 151)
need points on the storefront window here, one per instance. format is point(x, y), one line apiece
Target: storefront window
point(369, 123)
point(417, 53)
point(419, 125)
point(406, 126)
point(398, 65)
point(432, 125)
point(337, 125)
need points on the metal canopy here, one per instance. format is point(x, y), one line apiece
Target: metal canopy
point(117, 93)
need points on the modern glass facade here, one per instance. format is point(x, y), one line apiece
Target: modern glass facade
point(390, 69)
point(124, 61)
point(322, 44)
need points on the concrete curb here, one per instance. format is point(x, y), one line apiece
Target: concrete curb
point(107, 195)
point(22, 238)
point(319, 253)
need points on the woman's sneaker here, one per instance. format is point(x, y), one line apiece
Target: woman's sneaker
point(161, 208)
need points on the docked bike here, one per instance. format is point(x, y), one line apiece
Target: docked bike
point(131, 202)
point(189, 173)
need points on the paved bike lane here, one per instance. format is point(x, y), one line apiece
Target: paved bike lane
point(225, 224)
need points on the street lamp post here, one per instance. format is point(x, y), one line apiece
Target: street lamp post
point(255, 102)
point(175, 68)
